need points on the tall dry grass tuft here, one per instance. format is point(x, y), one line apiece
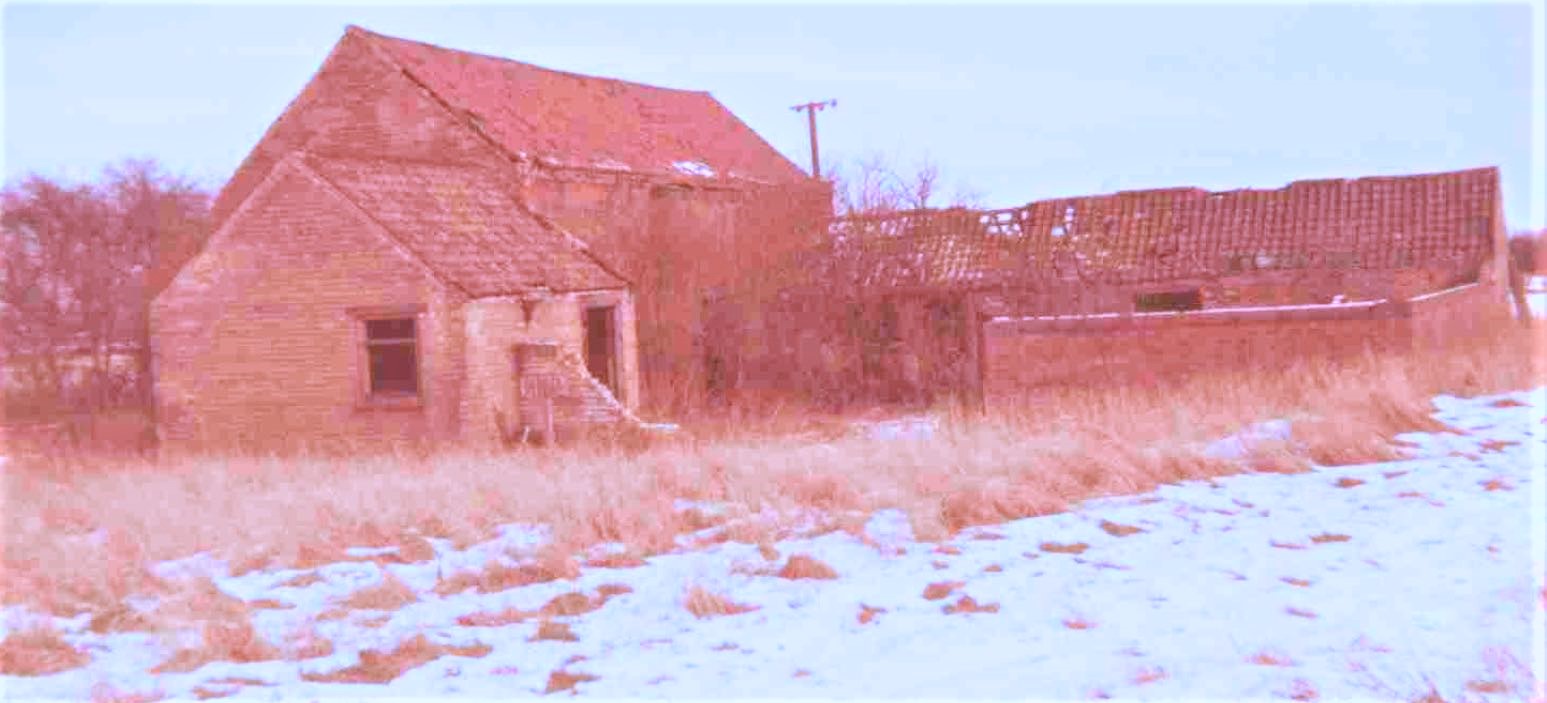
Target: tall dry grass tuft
point(390, 594)
point(703, 603)
point(82, 541)
point(38, 651)
point(232, 641)
point(804, 566)
point(384, 666)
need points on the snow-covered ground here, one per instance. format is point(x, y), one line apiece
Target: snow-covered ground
point(1373, 581)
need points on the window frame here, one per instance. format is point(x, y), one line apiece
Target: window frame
point(365, 396)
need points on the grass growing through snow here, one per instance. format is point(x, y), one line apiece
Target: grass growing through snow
point(38, 651)
point(79, 538)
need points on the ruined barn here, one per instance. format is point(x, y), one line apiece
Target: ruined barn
point(1137, 285)
point(665, 185)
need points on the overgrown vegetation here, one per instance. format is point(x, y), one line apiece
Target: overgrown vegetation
point(80, 534)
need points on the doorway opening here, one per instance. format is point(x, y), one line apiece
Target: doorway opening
point(601, 357)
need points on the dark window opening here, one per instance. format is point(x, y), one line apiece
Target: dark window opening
point(600, 331)
point(1169, 301)
point(393, 349)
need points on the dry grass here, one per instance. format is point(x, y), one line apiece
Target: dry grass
point(1270, 659)
point(38, 651)
point(868, 613)
point(390, 594)
point(1059, 548)
point(561, 680)
point(495, 576)
point(270, 604)
point(613, 590)
point(302, 580)
point(941, 589)
point(1118, 529)
point(501, 618)
point(802, 566)
point(1149, 675)
point(1328, 537)
point(383, 667)
point(703, 603)
point(232, 641)
point(572, 603)
point(306, 643)
point(1302, 690)
point(550, 631)
point(1032, 457)
point(966, 604)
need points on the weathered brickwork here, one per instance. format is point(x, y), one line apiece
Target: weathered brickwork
point(1023, 354)
point(255, 341)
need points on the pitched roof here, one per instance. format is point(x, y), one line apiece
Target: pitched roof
point(587, 121)
point(461, 222)
point(1383, 222)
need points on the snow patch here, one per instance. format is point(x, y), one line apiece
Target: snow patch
point(694, 168)
point(1238, 446)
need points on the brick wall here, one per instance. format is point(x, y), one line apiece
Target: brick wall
point(255, 341)
point(1466, 312)
point(1022, 354)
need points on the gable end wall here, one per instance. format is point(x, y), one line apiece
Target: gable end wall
point(358, 105)
point(254, 342)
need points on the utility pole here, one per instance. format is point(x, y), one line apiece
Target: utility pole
point(811, 110)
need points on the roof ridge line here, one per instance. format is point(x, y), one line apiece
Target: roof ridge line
point(1248, 189)
point(378, 35)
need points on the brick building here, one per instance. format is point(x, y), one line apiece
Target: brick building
point(430, 243)
point(1139, 283)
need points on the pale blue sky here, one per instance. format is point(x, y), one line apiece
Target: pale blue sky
point(1014, 103)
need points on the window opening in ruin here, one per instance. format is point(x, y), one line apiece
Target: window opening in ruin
point(392, 347)
point(1169, 301)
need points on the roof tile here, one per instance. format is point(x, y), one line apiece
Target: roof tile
point(578, 120)
point(462, 222)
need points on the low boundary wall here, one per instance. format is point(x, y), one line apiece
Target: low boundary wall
point(1025, 353)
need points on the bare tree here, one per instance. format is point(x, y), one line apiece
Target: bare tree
point(82, 262)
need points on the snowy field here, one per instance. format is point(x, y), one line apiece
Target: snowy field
point(1377, 581)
